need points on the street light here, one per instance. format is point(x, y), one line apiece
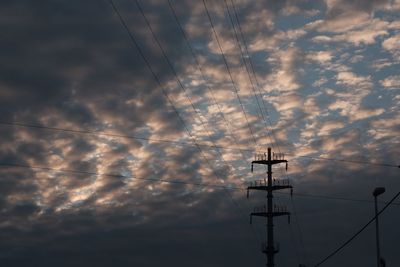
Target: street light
point(377, 191)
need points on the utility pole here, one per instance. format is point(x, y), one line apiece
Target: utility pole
point(270, 248)
point(378, 191)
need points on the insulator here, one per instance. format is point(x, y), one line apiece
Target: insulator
point(291, 192)
point(288, 219)
point(251, 168)
point(247, 193)
point(286, 166)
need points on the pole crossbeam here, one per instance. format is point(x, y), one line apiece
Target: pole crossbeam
point(266, 188)
point(266, 214)
point(269, 162)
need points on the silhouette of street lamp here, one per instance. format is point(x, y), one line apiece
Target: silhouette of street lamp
point(378, 191)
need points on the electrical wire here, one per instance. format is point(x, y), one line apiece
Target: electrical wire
point(197, 146)
point(301, 239)
point(246, 68)
point(43, 168)
point(270, 134)
point(184, 90)
point(159, 82)
point(349, 161)
point(254, 72)
point(213, 98)
point(229, 71)
point(320, 158)
point(357, 233)
point(122, 20)
point(96, 133)
point(199, 67)
point(80, 172)
point(181, 143)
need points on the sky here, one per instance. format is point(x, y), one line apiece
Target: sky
point(127, 132)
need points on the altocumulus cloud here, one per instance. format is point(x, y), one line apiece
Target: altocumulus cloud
point(326, 72)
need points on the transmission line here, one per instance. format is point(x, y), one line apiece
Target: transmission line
point(357, 233)
point(159, 83)
point(271, 135)
point(236, 37)
point(253, 71)
point(191, 103)
point(44, 168)
point(181, 143)
point(199, 67)
point(229, 71)
point(179, 81)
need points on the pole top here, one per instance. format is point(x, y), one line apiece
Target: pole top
point(378, 191)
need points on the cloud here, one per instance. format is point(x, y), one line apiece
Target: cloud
point(392, 44)
point(350, 104)
point(349, 78)
point(343, 15)
point(365, 33)
point(320, 56)
point(391, 82)
point(328, 127)
point(72, 65)
point(383, 63)
point(385, 129)
point(285, 76)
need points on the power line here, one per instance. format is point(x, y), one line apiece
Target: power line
point(254, 73)
point(136, 45)
point(193, 54)
point(170, 65)
point(236, 37)
point(181, 143)
point(293, 242)
point(191, 103)
point(349, 161)
point(357, 233)
point(159, 83)
point(229, 71)
point(269, 134)
point(44, 168)
point(199, 67)
point(301, 239)
point(336, 198)
point(179, 81)
point(223, 55)
point(266, 110)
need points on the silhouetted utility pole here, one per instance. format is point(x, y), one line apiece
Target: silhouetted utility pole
point(378, 191)
point(269, 185)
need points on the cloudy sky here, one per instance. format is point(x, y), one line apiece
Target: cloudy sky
point(138, 109)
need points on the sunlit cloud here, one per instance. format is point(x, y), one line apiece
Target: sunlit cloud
point(325, 84)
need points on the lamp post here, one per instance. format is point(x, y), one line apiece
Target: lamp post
point(377, 191)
